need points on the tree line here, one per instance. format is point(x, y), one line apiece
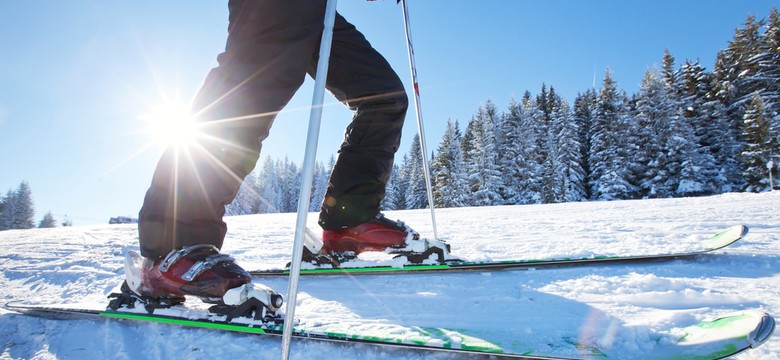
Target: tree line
point(17, 210)
point(686, 132)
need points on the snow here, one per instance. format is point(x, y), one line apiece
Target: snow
point(631, 301)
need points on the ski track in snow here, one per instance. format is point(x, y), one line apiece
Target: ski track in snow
point(84, 264)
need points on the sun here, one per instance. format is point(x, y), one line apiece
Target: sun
point(171, 124)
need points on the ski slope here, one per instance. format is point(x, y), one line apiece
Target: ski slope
point(84, 264)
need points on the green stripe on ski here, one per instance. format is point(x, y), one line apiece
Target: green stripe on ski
point(370, 269)
point(425, 337)
point(184, 322)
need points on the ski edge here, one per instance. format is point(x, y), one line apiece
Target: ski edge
point(715, 242)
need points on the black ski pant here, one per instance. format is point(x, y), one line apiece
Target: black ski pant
point(271, 46)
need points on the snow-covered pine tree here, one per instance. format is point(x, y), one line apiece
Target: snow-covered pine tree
point(727, 154)
point(24, 218)
point(568, 163)
point(547, 145)
point(753, 57)
point(401, 183)
point(268, 188)
point(694, 89)
point(417, 194)
point(514, 155)
point(583, 113)
point(482, 160)
point(18, 210)
point(8, 207)
point(740, 68)
point(320, 184)
point(758, 145)
point(392, 190)
point(47, 221)
point(561, 173)
point(246, 199)
point(290, 185)
point(510, 156)
point(655, 110)
point(770, 71)
point(685, 160)
point(449, 184)
point(611, 133)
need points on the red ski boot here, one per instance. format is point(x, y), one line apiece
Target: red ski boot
point(382, 234)
point(377, 234)
point(198, 270)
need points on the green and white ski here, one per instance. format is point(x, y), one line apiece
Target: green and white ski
point(718, 241)
point(718, 338)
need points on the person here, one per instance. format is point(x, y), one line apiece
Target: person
point(271, 46)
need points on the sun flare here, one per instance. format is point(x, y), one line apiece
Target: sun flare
point(171, 124)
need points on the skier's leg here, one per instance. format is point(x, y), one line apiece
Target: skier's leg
point(363, 80)
point(267, 54)
point(266, 58)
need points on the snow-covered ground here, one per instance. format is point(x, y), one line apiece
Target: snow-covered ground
point(85, 264)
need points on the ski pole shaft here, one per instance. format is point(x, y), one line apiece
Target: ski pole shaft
point(312, 138)
point(420, 127)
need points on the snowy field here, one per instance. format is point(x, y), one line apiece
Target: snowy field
point(85, 264)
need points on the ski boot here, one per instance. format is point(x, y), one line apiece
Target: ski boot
point(383, 234)
point(200, 271)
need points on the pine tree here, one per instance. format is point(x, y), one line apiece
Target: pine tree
point(401, 183)
point(727, 152)
point(482, 166)
point(417, 194)
point(655, 112)
point(737, 68)
point(583, 114)
point(758, 145)
point(569, 175)
point(703, 115)
point(18, 210)
point(668, 71)
point(246, 199)
point(611, 131)
point(393, 195)
point(47, 221)
point(268, 188)
point(24, 218)
point(289, 184)
point(447, 167)
point(518, 151)
point(547, 145)
point(9, 209)
point(770, 72)
point(320, 184)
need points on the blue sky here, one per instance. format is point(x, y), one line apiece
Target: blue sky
point(77, 77)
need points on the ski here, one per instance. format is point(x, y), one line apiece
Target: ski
point(717, 338)
point(718, 241)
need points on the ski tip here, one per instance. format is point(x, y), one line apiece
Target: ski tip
point(725, 238)
point(763, 331)
point(736, 231)
point(743, 230)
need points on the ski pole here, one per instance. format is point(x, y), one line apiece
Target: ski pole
point(315, 118)
point(420, 128)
